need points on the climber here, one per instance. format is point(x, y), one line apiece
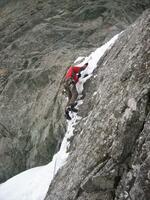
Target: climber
point(71, 78)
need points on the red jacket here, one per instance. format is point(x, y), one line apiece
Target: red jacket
point(72, 72)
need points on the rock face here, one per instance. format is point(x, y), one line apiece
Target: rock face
point(109, 155)
point(38, 39)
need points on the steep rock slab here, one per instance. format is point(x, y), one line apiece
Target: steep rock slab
point(109, 156)
point(38, 39)
point(29, 99)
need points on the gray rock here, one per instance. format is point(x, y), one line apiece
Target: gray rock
point(38, 40)
point(109, 158)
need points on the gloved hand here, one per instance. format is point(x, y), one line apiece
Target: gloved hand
point(79, 75)
point(85, 75)
point(67, 114)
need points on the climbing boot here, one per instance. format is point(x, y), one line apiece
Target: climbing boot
point(74, 109)
point(67, 116)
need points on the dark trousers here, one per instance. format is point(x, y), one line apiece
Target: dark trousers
point(71, 91)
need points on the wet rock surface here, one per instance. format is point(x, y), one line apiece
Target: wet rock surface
point(109, 155)
point(38, 40)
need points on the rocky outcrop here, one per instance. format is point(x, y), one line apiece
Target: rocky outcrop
point(109, 155)
point(38, 39)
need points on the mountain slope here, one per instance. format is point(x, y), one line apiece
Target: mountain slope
point(33, 183)
point(109, 154)
point(38, 40)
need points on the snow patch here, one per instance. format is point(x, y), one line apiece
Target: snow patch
point(92, 60)
point(33, 184)
point(126, 194)
point(79, 59)
point(127, 114)
point(132, 104)
point(95, 93)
